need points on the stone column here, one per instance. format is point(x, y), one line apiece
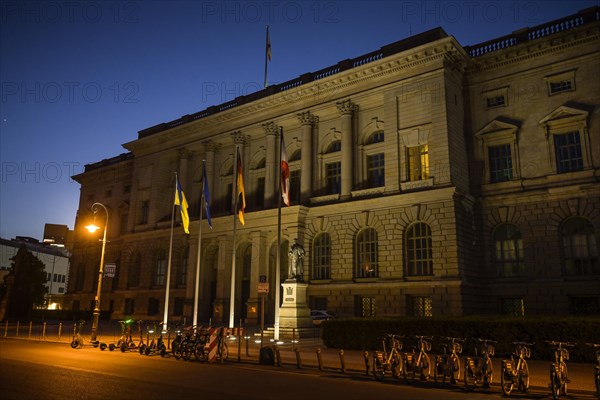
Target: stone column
point(184, 156)
point(346, 109)
point(211, 149)
point(306, 167)
point(271, 131)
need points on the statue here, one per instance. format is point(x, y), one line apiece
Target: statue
point(295, 256)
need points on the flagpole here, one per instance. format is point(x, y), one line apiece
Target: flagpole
point(235, 191)
point(278, 253)
point(197, 287)
point(167, 284)
point(266, 55)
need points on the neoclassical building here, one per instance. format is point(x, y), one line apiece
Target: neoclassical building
point(427, 178)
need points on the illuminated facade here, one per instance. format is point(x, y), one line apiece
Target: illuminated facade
point(426, 179)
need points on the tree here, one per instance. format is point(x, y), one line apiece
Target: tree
point(28, 284)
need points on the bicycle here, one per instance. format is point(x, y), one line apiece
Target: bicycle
point(516, 372)
point(559, 375)
point(448, 365)
point(596, 348)
point(479, 369)
point(418, 362)
point(388, 360)
point(78, 340)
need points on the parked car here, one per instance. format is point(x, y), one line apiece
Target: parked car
point(318, 316)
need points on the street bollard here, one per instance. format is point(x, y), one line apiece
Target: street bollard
point(30, 326)
point(6, 329)
point(17, 333)
point(342, 361)
point(298, 359)
point(44, 331)
point(319, 359)
point(366, 355)
point(59, 330)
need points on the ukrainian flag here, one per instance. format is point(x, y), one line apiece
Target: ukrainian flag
point(183, 206)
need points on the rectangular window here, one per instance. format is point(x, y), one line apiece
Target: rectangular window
point(178, 306)
point(129, 306)
point(364, 306)
point(318, 303)
point(513, 306)
point(321, 262)
point(418, 163)
point(123, 223)
point(161, 271)
point(585, 306)
point(295, 186)
point(376, 170)
point(144, 211)
point(259, 196)
point(420, 306)
point(153, 306)
point(568, 152)
point(496, 101)
point(61, 290)
point(334, 178)
point(565, 85)
point(500, 163)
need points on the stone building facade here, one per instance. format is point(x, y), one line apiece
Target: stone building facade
point(427, 178)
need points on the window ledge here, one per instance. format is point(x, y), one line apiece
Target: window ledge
point(319, 281)
point(325, 199)
point(365, 280)
point(368, 192)
point(415, 185)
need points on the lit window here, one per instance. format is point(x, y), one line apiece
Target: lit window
point(364, 306)
point(418, 163)
point(366, 254)
point(508, 254)
point(420, 306)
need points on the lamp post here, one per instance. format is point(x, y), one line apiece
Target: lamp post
point(93, 228)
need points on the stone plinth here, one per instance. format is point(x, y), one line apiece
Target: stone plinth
point(294, 312)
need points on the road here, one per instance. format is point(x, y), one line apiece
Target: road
point(42, 370)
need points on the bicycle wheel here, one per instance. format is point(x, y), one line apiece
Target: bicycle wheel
point(438, 370)
point(470, 379)
point(199, 351)
point(396, 366)
point(564, 379)
point(524, 377)
point(175, 349)
point(506, 380)
point(454, 368)
point(223, 350)
point(554, 384)
point(378, 371)
point(425, 367)
point(487, 374)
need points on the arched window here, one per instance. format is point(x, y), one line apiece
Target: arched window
point(334, 147)
point(366, 262)
point(508, 250)
point(376, 137)
point(160, 271)
point(580, 254)
point(419, 254)
point(181, 277)
point(321, 268)
point(133, 275)
point(296, 156)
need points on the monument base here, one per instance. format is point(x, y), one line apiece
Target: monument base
point(294, 312)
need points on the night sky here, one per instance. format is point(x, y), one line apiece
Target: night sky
point(79, 79)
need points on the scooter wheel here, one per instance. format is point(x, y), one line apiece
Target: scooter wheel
point(103, 346)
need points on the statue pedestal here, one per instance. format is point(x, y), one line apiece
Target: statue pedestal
point(294, 312)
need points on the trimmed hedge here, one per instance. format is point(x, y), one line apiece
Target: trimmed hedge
point(362, 333)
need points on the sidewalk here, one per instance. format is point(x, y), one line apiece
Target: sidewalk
point(581, 375)
point(304, 355)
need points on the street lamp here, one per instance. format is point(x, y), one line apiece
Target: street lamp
point(93, 228)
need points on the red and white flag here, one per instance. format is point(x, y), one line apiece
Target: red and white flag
point(285, 174)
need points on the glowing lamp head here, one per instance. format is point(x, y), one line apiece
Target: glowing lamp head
point(92, 228)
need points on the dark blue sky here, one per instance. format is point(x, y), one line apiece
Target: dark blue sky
point(78, 79)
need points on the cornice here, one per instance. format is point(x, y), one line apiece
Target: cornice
point(533, 49)
point(320, 91)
